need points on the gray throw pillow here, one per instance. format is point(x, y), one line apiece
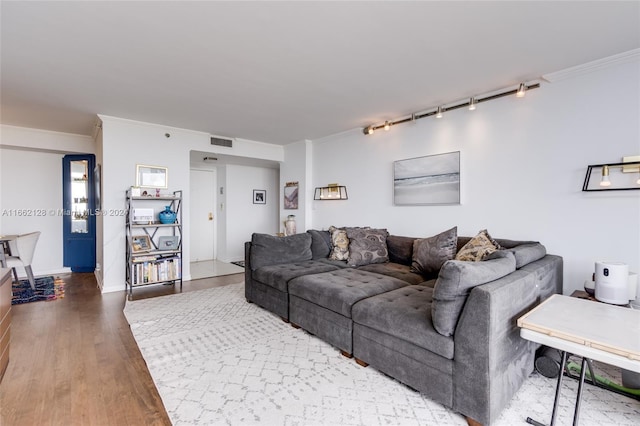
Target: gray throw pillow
point(367, 246)
point(527, 253)
point(456, 280)
point(400, 249)
point(271, 250)
point(320, 244)
point(429, 254)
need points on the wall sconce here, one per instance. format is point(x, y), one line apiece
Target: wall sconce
point(626, 176)
point(332, 191)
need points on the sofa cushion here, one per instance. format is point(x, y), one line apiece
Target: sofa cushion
point(277, 276)
point(406, 314)
point(478, 247)
point(456, 280)
point(271, 250)
point(367, 246)
point(339, 290)
point(320, 244)
point(429, 254)
point(400, 249)
point(339, 244)
point(527, 253)
point(395, 270)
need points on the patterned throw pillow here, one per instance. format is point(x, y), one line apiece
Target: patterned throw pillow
point(339, 244)
point(478, 247)
point(367, 246)
point(429, 254)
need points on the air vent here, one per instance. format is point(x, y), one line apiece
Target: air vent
point(222, 142)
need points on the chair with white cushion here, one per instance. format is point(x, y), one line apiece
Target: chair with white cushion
point(22, 249)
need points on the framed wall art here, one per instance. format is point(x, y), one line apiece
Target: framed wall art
point(259, 196)
point(151, 176)
point(429, 180)
point(291, 196)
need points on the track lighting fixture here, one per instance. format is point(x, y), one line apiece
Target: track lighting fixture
point(438, 113)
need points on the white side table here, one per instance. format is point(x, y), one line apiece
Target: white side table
point(592, 330)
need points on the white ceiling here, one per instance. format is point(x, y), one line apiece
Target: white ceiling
point(280, 72)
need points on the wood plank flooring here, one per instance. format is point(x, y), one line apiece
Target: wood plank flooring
point(74, 361)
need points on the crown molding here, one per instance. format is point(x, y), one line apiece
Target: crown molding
point(621, 58)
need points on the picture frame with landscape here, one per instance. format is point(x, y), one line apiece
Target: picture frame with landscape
point(428, 180)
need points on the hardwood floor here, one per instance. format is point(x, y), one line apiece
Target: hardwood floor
point(74, 361)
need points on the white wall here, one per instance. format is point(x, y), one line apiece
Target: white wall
point(523, 164)
point(126, 143)
point(31, 186)
point(297, 167)
point(242, 216)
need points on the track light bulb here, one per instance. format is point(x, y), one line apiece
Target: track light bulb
point(522, 90)
point(439, 112)
point(605, 177)
point(386, 125)
point(472, 104)
point(370, 130)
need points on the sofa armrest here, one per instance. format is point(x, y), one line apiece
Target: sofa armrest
point(247, 271)
point(491, 359)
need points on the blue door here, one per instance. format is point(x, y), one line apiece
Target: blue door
point(79, 220)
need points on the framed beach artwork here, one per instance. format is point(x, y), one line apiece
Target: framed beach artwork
point(430, 180)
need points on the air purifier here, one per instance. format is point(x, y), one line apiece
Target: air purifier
point(612, 282)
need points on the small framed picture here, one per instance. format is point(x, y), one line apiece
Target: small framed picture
point(140, 243)
point(259, 196)
point(168, 242)
point(151, 176)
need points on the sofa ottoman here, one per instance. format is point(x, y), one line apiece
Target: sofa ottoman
point(394, 332)
point(321, 303)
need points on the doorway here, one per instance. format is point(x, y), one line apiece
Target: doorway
point(202, 216)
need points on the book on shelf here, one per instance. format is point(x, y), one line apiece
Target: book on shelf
point(156, 270)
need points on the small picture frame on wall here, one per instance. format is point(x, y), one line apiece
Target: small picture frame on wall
point(151, 176)
point(259, 196)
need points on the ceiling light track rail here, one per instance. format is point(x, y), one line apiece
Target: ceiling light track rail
point(471, 104)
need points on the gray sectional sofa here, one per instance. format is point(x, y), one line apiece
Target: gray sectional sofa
point(450, 333)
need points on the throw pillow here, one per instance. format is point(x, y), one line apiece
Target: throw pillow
point(320, 244)
point(455, 282)
point(271, 250)
point(478, 247)
point(367, 246)
point(400, 249)
point(339, 244)
point(429, 254)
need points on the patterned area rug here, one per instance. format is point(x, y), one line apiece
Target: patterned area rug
point(47, 288)
point(218, 360)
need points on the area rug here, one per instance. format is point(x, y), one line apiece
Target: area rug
point(47, 288)
point(218, 360)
